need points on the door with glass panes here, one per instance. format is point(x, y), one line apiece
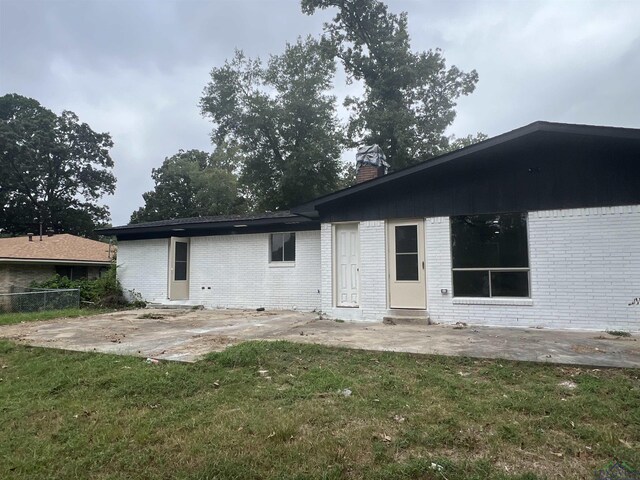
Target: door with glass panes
point(405, 264)
point(179, 269)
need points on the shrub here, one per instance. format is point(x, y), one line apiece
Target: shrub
point(105, 291)
point(618, 333)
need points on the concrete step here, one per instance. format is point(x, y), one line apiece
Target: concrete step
point(174, 305)
point(406, 320)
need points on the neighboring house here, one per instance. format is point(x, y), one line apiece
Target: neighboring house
point(31, 258)
point(536, 227)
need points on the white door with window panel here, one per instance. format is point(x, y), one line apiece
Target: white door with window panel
point(405, 262)
point(347, 265)
point(179, 269)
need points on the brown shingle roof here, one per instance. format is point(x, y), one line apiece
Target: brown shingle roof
point(63, 247)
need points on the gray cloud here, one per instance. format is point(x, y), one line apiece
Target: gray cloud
point(136, 69)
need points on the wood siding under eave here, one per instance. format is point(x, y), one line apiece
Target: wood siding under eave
point(542, 173)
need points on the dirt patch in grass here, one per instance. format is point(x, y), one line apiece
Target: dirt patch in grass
point(152, 316)
point(277, 410)
point(206, 342)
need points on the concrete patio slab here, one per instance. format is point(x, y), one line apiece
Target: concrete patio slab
point(187, 335)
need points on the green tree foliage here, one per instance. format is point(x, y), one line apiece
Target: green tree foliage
point(456, 143)
point(409, 97)
point(54, 169)
point(282, 120)
point(192, 184)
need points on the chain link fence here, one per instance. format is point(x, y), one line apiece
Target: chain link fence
point(21, 299)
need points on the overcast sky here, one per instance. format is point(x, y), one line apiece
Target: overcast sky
point(137, 68)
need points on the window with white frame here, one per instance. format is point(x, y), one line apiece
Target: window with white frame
point(490, 255)
point(282, 247)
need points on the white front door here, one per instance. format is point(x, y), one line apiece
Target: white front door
point(179, 269)
point(405, 261)
point(347, 267)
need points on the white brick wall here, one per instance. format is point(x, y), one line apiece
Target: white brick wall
point(142, 266)
point(373, 278)
point(585, 271)
point(326, 262)
point(237, 269)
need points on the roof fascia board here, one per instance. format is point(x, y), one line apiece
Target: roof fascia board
point(60, 261)
point(180, 227)
point(591, 130)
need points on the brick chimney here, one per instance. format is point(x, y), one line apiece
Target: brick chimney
point(368, 172)
point(370, 163)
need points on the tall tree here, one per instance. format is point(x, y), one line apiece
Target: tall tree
point(54, 168)
point(409, 97)
point(193, 184)
point(283, 121)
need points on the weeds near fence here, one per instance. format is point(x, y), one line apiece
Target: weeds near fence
point(39, 299)
point(105, 291)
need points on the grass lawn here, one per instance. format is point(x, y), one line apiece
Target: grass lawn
point(274, 410)
point(11, 318)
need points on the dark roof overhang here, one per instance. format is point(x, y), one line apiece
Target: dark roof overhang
point(221, 225)
point(522, 137)
point(307, 216)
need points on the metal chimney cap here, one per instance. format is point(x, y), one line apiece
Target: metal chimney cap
point(371, 155)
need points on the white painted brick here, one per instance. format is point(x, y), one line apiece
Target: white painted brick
point(142, 267)
point(585, 270)
point(373, 274)
point(236, 267)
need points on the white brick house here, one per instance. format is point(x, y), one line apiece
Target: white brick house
point(228, 263)
point(536, 227)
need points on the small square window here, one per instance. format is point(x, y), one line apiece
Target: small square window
point(283, 247)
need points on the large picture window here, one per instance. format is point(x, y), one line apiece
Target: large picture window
point(490, 255)
point(283, 247)
point(72, 272)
